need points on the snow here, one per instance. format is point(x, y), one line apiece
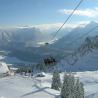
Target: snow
point(90, 81)
point(3, 67)
point(40, 87)
point(87, 62)
point(16, 87)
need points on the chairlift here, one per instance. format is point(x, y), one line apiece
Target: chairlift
point(48, 58)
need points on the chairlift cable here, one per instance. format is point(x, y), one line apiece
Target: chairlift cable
point(67, 19)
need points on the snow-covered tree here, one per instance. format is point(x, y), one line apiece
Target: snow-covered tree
point(56, 82)
point(79, 90)
point(65, 91)
point(71, 85)
point(72, 88)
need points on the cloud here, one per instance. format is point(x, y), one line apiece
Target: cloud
point(46, 27)
point(52, 26)
point(82, 12)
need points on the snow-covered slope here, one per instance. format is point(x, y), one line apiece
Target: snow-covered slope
point(27, 87)
point(19, 87)
point(87, 62)
point(73, 39)
point(3, 67)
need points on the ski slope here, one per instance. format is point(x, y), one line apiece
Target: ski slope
point(27, 87)
point(19, 87)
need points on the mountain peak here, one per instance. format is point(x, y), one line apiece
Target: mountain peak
point(92, 23)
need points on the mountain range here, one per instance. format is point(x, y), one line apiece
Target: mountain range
point(22, 41)
point(17, 37)
point(76, 37)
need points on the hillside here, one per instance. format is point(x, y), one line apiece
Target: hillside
point(18, 41)
point(74, 39)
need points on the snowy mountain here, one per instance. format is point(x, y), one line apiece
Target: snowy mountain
point(63, 32)
point(20, 37)
point(83, 59)
point(28, 36)
point(74, 39)
point(88, 62)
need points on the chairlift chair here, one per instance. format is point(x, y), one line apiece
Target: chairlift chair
point(48, 58)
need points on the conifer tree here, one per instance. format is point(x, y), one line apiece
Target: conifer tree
point(71, 85)
point(56, 82)
point(78, 90)
point(65, 91)
point(81, 90)
point(72, 88)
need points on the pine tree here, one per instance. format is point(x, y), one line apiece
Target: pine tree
point(76, 89)
point(71, 85)
point(72, 88)
point(79, 90)
point(65, 91)
point(56, 82)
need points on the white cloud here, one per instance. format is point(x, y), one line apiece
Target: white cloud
point(57, 25)
point(52, 26)
point(81, 12)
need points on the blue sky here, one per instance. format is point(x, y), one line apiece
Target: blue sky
point(38, 12)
